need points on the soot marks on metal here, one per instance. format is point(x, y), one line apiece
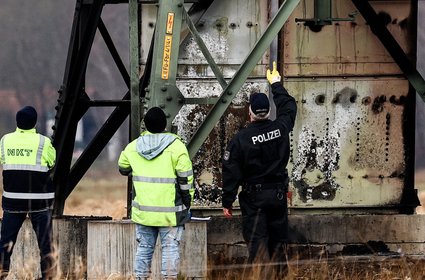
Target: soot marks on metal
point(318, 156)
point(400, 101)
point(378, 104)
point(206, 167)
point(404, 23)
point(346, 97)
point(316, 28)
point(368, 248)
point(384, 18)
point(317, 160)
point(307, 193)
point(221, 25)
point(207, 162)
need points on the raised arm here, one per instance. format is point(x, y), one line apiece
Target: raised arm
point(286, 107)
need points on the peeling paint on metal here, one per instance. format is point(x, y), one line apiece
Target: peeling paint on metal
point(207, 162)
point(218, 48)
point(347, 145)
point(322, 153)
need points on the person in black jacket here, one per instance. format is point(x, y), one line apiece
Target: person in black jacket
point(256, 159)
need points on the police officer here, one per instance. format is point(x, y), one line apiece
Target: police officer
point(27, 158)
point(256, 159)
point(163, 182)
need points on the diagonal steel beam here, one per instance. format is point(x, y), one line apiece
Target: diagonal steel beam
point(241, 75)
point(204, 50)
point(136, 110)
point(118, 116)
point(392, 46)
point(115, 55)
point(106, 132)
point(67, 115)
point(409, 198)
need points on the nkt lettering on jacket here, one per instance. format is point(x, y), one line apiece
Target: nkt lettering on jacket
point(19, 152)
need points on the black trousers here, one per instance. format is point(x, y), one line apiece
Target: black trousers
point(42, 225)
point(265, 224)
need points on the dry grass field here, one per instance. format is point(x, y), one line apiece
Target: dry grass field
point(340, 268)
point(102, 192)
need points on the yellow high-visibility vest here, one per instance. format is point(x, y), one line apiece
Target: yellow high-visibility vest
point(161, 184)
point(27, 158)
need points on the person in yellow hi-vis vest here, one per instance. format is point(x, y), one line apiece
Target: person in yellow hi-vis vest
point(27, 158)
point(162, 175)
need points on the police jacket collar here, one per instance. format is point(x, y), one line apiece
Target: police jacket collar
point(259, 122)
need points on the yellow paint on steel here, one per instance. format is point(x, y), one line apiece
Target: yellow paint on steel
point(166, 57)
point(170, 23)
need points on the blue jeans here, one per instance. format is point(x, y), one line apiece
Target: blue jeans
point(42, 225)
point(146, 237)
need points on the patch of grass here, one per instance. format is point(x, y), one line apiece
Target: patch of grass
point(327, 268)
point(103, 192)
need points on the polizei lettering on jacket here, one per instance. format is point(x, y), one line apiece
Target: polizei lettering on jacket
point(19, 152)
point(266, 136)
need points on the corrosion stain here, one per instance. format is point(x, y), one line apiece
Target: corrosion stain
point(366, 100)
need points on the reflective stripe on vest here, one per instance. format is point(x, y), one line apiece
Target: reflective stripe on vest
point(29, 195)
point(186, 187)
point(154, 180)
point(40, 151)
point(3, 157)
point(25, 167)
point(185, 173)
point(28, 167)
point(162, 209)
point(184, 178)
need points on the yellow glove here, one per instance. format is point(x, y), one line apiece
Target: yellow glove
point(273, 76)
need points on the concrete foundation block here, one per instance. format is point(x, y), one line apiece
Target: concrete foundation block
point(112, 247)
point(313, 234)
point(69, 249)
